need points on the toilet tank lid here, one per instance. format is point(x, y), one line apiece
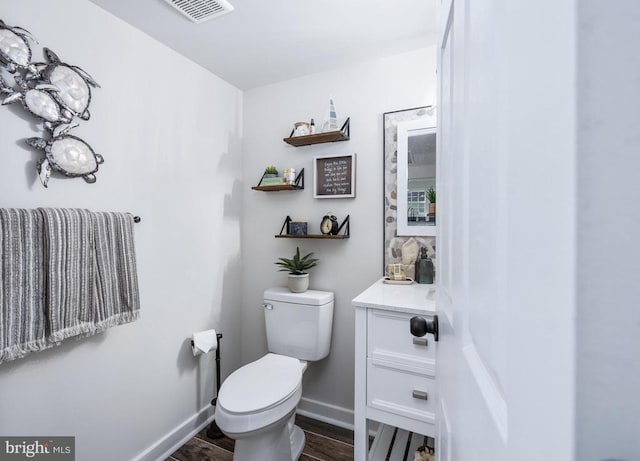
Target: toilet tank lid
point(309, 297)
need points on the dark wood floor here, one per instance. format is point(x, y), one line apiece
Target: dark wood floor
point(324, 442)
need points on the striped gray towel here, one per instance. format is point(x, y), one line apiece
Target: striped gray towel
point(70, 267)
point(117, 299)
point(63, 273)
point(22, 283)
point(92, 276)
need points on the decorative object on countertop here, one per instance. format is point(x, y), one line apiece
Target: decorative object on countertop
point(396, 272)
point(92, 284)
point(396, 275)
point(393, 253)
point(392, 242)
point(298, 280)
point(300, 129)
point(54, 92)
point(297, 228)
point(334, 176)
point(425, 272)
point(329, 224)
point(392, 281)
point(410, 251)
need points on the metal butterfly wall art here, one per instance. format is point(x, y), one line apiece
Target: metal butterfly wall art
point(55, 93)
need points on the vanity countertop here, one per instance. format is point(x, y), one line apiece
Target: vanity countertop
point(414, 299)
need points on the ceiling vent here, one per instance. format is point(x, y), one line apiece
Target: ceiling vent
point(201, 10)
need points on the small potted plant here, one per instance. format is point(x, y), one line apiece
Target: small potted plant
point(297, 267)
point(431, 195)
point(271, 172)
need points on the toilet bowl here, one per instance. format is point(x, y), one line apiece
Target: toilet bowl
point(256, 407)
point(257, 403)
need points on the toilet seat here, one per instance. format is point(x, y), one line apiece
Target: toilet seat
point(259, 394)
point(262, 384)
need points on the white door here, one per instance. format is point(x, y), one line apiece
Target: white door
point(505, 237)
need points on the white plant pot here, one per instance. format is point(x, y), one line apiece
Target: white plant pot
point(298, 283)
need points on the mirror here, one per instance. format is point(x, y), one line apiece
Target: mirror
point(400, 249)
point(417, 177)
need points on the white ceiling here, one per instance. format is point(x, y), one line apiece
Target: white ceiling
point(263, 42)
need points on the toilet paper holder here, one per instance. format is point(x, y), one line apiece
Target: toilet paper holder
point(214, 432)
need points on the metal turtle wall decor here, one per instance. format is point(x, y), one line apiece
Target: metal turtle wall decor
point(74, 93)
point(38, 101)
point(66, 154)
point(55, 93)
point(15, 51)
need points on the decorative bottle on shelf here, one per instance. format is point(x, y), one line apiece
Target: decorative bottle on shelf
point(312, 127)
point(424, 268)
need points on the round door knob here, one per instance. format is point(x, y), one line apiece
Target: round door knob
point(420, 326)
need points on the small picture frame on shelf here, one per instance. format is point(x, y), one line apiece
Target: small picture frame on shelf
point(334, 176)
point(297, 228)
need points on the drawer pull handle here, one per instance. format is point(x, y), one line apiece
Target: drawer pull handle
point(420, 341)
point(421, 395)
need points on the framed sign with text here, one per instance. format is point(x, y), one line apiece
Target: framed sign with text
point(334, 176)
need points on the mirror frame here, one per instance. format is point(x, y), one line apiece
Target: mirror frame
point(392, 243)
point(404, 128)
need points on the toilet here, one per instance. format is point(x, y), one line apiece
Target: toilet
point(257, 403)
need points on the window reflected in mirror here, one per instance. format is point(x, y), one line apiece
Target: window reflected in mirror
point(421, 182)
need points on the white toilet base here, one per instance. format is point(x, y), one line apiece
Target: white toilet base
point(281, 441)
point(297, 443)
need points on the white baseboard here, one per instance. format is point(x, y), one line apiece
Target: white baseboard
point(170, 442)
point(325, 412)
point(178, 436)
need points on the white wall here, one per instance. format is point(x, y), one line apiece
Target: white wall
point(364, 92)
point(608, 323)
point(170, 133)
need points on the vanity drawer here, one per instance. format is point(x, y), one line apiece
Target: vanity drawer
point(408, 393)
point(389, 339)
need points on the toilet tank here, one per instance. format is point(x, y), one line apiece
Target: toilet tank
point(298, 324)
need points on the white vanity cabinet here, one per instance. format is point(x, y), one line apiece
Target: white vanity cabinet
point(394, 371)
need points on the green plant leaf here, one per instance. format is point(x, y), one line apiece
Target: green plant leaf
point(431, 194)
point(297, 265)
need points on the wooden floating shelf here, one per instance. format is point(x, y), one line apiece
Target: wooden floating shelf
point(319, 138)
point(277, 187)
point(298, 184)
point(312, 236)
point(344, 225)
point(329, 136)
